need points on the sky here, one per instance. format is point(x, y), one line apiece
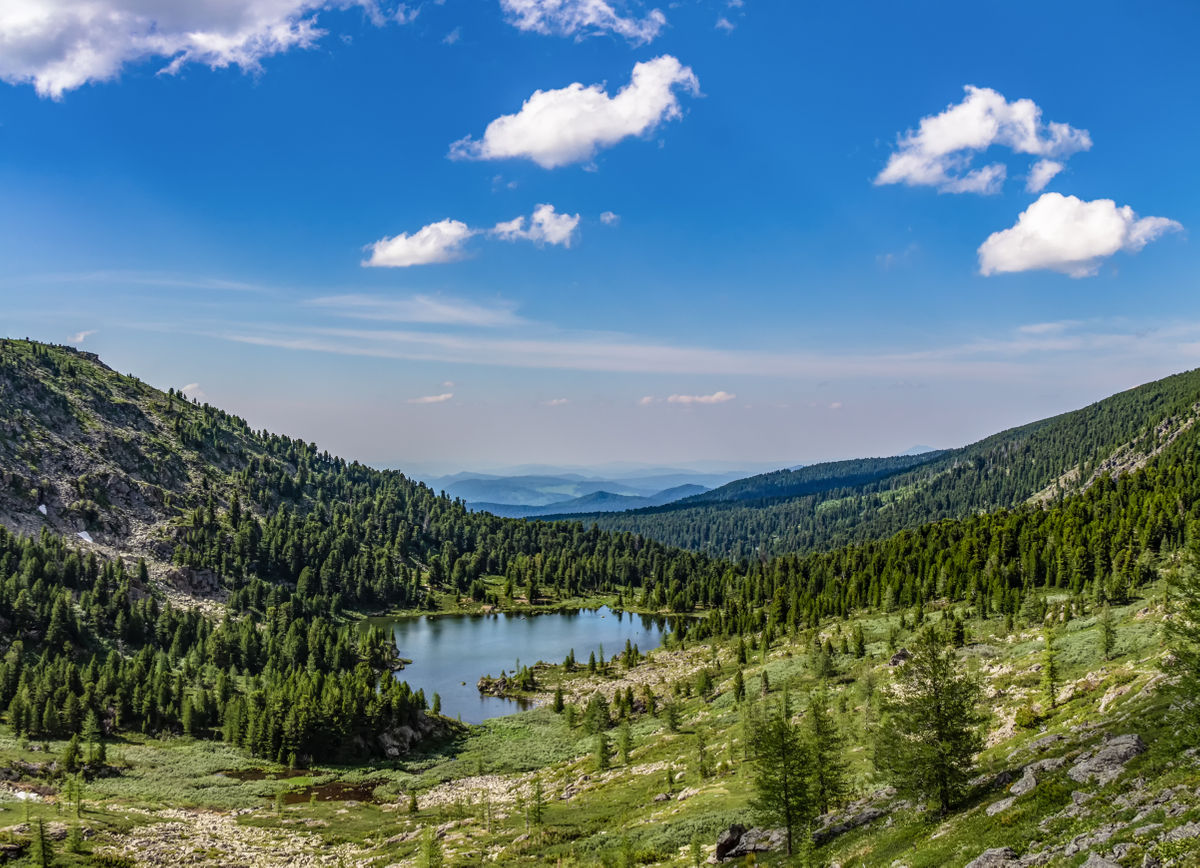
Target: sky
point(470, 234)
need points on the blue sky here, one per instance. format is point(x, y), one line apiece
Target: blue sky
point(734, 206)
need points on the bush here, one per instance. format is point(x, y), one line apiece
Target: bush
point(1026, 717)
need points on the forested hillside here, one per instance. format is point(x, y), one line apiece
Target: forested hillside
point(155, 492)
point(827, 505)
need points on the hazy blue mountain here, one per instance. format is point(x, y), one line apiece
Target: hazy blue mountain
point(598, 501)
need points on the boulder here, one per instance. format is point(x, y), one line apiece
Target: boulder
point(728, 840)
point(997, 857)
point(1108, 762)
point(1003, 805)
point(1094, 861)
point(759, 841)
point(901, 656)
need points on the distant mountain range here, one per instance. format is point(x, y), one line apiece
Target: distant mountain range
point(597, 501)
point(526, 494)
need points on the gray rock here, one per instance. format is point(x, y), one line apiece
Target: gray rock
point(901, 656)
point(1094, 861)
point(1003, 805)
point(759, 841)
point(1179, 833)
point(728, 840)
point(997, 857)
point(1108, 762)
point(851, 821)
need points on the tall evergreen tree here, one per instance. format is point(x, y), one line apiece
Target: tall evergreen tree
point(783, 767)
point(932, 731)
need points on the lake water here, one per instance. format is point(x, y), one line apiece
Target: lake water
point(449, 653)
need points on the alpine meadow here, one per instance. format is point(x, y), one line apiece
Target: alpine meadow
point(448, 434)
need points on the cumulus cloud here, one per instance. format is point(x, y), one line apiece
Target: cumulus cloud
point(569, 125)
point(1067, 234)
point(80, 337)
point(419, 309)
point(432, 399)
point(714, 398)
point(59, 45)
point(646, 400)
point(438, 242)
point(580, 18)
point(546, 226)
point(940, 151)
point(608, 218)
point(193, 390)
point(556, 402)
point(444, 241)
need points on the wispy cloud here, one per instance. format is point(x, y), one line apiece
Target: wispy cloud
point(193, 390)
point(419, 309)
point(1021, 353)
point(579, 18)
point(714, 398)
point(556, 402)
point(432, 399)
point(80, 337)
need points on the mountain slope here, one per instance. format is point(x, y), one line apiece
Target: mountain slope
point(825, 505)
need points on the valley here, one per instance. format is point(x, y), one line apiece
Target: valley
point(263, 655)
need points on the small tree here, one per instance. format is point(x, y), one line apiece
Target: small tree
point(1108, 634)
point(537, 803)
point(931, 734)
point(431, 850)
point(782, 772)
point(1050, 671)
point(603, 751)
point(558, 699)
point(625, 742)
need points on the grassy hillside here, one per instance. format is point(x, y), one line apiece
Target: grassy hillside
point(826, 505)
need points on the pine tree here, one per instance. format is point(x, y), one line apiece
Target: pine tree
point(931, 734)
point(830, 781)
point(1050, 675)
point(431, 850)
point(603, 751)
point(625, 742)
point(783, 768)
point(1108, 634)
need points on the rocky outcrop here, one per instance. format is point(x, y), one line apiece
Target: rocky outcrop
point(1108, 761)
point(737, 842)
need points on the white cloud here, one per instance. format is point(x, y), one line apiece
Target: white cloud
point(939, 152)
point(714, 398)
point(438, 242)
point(558, 127)
point(59, 45)
point(1047, 328)
point(580, 18)
point(1041, 174)
point(546, 226)
point(452, 37)
point(80, 337)
point(419, 309)
point(443, 241)
point(432, 399)
point(193, 390)
point(556, 402)
point(608, 218)
point(646, 401)
point(1067, 234)
point(725, 24)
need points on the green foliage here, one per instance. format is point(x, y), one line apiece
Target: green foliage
point(783, 768)
point(931, 729)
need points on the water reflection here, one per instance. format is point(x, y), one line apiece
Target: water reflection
point(451, 652)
